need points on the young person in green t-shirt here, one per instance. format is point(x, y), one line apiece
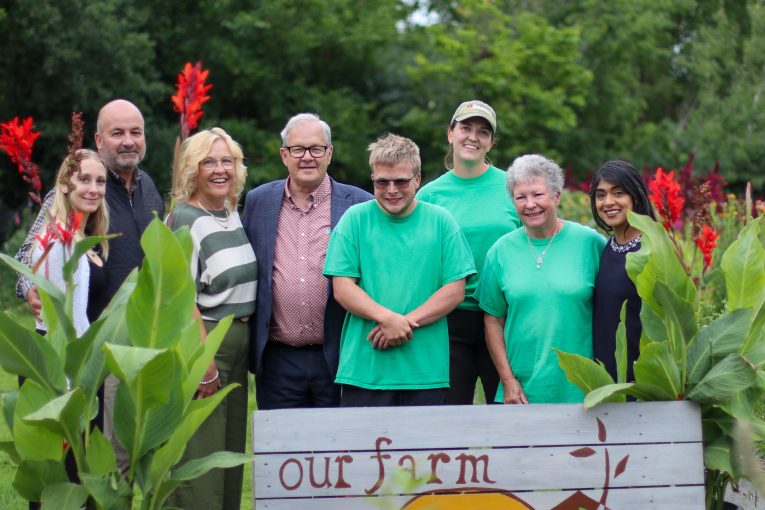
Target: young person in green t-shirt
point(398, 267)
point(473, 191)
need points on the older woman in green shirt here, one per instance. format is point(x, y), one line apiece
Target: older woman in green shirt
point(537, 289)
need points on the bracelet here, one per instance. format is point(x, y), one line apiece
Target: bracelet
point(211, 380)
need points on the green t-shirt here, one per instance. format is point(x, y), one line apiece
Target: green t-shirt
point(399, 263)
point(482, 208)
point(222, 262)
point(544, 308)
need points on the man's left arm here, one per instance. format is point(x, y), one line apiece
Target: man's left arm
point(440, 303)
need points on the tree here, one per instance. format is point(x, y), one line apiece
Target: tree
point(526, 69)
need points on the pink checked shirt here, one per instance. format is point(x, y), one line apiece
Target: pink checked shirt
point(299, 288)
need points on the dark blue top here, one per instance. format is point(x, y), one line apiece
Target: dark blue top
point(612, 288)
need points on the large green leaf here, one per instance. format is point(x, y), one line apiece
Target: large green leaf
point(656, 367)
point(657, 261)
point(621, 346)
point(164, 299)
point(717, 455)
point(54, 305)
point(646, 392)
point(146, 376)
point(9, 448)
point(171, 452)
point(724, 379)
point(24, 352)
point(64, 496)
point(110, 327)
point(145, 371)
point(754, 345)
point(110, 491)
point(608, 393)
point(183, 235)
point(9, 407)
point(585, 373)
point(160, 422)
point(100, 456)
point(57, 318)
point(744, 266)
point(203, 356)
point(198, 467)
point(721, 337)
point(653, 325)
point(679, 320)
point(33, 441)
point(32, 476)
point(65, 416)
point(39, 280)
point(78, 352)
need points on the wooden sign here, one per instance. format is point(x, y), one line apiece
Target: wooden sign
point(616, 456)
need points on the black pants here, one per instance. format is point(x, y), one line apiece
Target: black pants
point(469, 358)
point(353, 396)
point(295, 377)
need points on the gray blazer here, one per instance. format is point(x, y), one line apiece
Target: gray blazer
point(260, 220)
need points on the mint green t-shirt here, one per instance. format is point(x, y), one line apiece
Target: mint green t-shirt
point(399, 263)
point(483, 209)
point(543, 308)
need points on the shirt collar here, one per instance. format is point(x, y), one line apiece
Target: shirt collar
point(123, 182)
point(317, 196)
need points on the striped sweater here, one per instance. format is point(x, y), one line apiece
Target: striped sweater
point(222, 262)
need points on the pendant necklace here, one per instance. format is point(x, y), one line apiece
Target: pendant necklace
point(223, 222)
point(540, 256)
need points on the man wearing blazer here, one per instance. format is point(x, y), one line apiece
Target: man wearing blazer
point(295, 340)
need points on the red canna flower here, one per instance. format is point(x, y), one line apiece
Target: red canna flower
point(707, 242)
point(67, 232)
point(665, 195)
point(190, 96)
point(47, 239)
point(17, 140)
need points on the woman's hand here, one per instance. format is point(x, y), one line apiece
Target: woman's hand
point(514, 392)
point(210, 383)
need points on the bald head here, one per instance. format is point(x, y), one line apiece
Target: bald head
point(120, 136)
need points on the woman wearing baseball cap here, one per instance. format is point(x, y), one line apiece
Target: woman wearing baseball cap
point(474, 192)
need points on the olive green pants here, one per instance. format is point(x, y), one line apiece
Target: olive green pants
point(225, 429)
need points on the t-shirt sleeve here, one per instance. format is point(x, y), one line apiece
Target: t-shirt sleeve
point(489, 293)
point(456, 254)
point(343, 251)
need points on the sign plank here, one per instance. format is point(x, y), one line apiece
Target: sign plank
point(636, 455)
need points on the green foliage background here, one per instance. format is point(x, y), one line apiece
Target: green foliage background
point(582, 81)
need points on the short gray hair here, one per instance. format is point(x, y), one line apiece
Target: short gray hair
point(526, 168)
point(306, 117)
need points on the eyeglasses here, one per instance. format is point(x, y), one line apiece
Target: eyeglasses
point(298, 151)
point(212, 163)
point(398, 183)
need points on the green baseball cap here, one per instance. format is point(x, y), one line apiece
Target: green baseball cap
point(475, 108)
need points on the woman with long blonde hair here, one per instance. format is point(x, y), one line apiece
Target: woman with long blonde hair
point(79, 209)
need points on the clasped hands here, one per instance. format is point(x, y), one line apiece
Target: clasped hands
point(394, 330)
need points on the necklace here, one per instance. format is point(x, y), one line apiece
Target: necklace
point(624, 248)
point(223, 222)
point(540, 256)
